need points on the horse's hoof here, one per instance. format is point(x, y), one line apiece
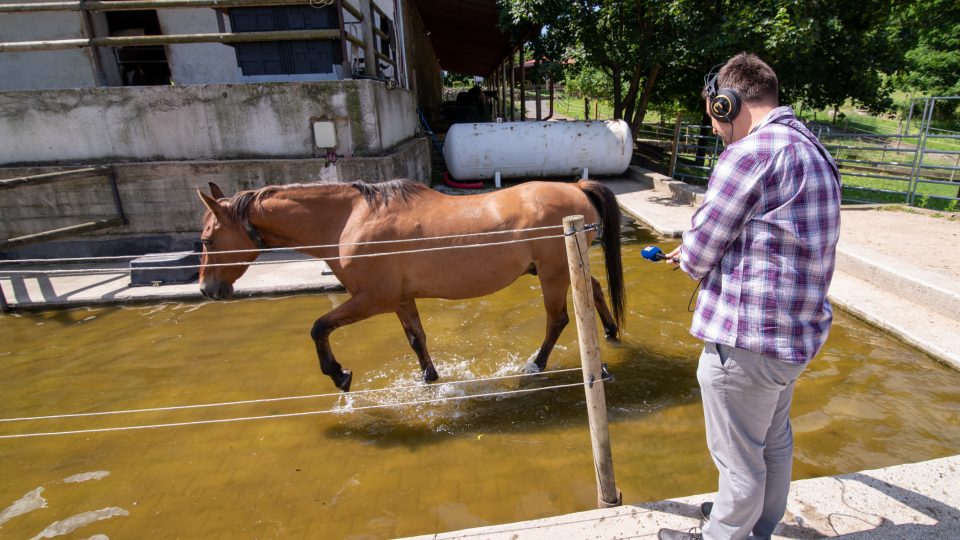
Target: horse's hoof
point(531, 368)
point(345, 380)
point(430, 375)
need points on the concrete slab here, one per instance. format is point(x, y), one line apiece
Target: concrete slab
point(109, 283)
point(920, 500)
point(657, 210)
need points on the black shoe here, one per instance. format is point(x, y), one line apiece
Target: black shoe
point(705, 509)
point(670, 534)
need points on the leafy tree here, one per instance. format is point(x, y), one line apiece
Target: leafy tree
point(929, 32)
point(823, 52)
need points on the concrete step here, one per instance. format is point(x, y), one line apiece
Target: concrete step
point(921, 326)
point(681, 192)
point(900, 278)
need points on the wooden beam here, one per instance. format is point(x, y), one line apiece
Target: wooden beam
point(133, 41)
point(349, 8)
point(46, 178)
point(59, 233)
point(134, 5)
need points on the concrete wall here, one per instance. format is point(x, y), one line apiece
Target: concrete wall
point(198, 63)
point(201, 122)
point(160, 199)
point(44, 69)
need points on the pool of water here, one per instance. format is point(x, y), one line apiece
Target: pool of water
point(357, 472)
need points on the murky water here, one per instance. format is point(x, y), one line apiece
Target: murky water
point(868, 401)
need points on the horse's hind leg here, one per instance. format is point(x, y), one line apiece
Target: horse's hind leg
point(410, 319)
point(355, 309)
point(609, 324)
point(555, 302)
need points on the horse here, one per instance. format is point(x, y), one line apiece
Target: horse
point(411, 225)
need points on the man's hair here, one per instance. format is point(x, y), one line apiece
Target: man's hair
point(751, 77)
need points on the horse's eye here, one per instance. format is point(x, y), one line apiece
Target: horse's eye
point(206, 242)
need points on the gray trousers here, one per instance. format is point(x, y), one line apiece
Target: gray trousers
point(746, 406)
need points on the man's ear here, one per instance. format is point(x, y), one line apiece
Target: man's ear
point(216, 191)
point(211, 205)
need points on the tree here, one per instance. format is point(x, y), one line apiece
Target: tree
point(929, 32)
point(823, 52)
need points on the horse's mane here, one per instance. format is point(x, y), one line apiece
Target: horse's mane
point(241, 201)
point(381, 194)
point(376, 195)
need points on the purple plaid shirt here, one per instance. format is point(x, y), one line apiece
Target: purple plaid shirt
point(764, 242)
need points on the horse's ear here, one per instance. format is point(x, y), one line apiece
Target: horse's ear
point(211, 204)
point(216, 191)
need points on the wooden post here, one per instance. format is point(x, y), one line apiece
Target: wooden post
point(369, 46)
point(608, 496)
point(523, 86)
point(503, 91)
point(513, 83)
point(676, 147)
point(4, 307)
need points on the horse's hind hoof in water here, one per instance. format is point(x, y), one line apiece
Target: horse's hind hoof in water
point(347, 225)
point(345, 380)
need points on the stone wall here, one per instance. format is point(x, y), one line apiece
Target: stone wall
point(203, 122)
point(160, 200)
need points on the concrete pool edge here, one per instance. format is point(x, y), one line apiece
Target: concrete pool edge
point(917, 500)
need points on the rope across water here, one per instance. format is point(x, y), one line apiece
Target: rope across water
point(285, 415)
point(282, 261)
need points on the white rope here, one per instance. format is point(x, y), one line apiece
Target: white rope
point(267, 250)
point(287, 415)
point(288, 398)
point(256, 263)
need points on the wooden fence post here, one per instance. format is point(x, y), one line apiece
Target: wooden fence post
point(675, 148)
point(608, 496)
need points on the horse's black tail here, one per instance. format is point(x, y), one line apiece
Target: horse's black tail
point(606, 204)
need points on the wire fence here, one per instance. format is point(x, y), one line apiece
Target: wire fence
point(913, 166)
point(334, 410)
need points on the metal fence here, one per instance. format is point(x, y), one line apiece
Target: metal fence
point(915, 164)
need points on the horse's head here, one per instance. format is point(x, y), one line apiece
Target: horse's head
point(222, 232)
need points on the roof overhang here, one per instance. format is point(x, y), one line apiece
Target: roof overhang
point(465, 34)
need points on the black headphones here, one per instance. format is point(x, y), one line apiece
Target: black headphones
point(723, 103)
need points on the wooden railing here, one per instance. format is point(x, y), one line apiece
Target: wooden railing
point(364, 14)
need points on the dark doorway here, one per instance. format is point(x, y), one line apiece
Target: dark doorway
point(142, 65)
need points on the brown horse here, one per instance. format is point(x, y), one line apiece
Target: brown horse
point(351, 220)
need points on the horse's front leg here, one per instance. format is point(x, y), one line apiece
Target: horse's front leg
point(410, 320)
point(555, 302)
point(355, 309)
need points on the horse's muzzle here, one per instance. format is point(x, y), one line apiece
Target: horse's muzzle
point(216, 291)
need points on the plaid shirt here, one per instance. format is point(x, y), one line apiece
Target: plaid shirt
point(764, 242)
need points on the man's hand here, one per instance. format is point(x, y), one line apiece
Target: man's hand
point(674, 256)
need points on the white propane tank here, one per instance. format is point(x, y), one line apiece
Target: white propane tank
point(537, 149)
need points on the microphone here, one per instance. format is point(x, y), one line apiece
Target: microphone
point(653, 254)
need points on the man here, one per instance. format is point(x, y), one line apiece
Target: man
point(763, 243)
